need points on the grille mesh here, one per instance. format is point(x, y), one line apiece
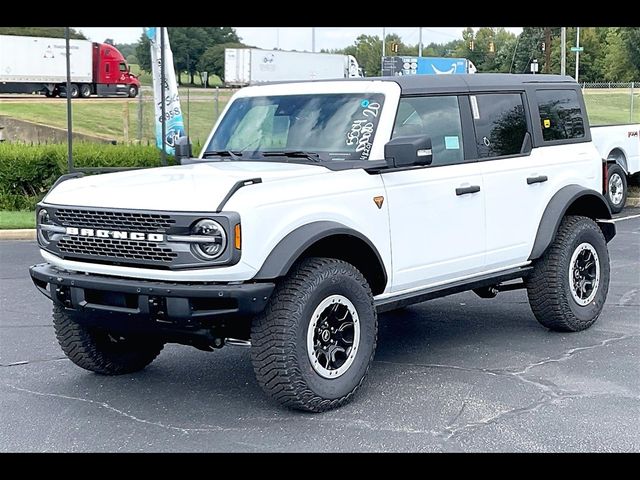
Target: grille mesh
point(111, 248)
point(139, 222)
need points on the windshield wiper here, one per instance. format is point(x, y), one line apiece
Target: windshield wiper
point(313, 156)
point(222, 153)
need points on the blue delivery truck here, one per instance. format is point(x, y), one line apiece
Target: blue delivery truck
point(396, 66)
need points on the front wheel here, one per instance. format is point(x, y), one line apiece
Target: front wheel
point(616, 188)
point(314, 343)
point(569, 283)
point(132, 91)
point(101, 351)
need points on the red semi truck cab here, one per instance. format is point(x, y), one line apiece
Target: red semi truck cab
point(111, 73)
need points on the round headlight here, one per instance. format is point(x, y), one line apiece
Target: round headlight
point(43, 219)
point(209, 228)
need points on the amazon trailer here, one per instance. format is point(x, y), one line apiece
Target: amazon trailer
point(397, 66)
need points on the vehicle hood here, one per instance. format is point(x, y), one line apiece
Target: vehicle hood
point(197, 187)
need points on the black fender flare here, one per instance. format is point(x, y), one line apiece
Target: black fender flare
point(293, 245)
point(558, 207)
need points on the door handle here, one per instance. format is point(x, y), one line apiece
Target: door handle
point(467, 190)
point(538, 179)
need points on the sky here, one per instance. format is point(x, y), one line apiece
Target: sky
point(289, 38)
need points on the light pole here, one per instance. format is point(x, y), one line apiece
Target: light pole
point(313, 39)
point(383, 41)
point(577, 51)
point(420, 42)
point(563, 51)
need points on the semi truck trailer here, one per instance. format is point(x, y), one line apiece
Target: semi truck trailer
point(39, 65)
point(250, 66)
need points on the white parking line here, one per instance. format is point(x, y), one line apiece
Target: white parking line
point(625, 218)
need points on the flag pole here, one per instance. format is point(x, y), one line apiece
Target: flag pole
point(163, 99)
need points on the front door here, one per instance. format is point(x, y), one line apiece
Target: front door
point(436, 212)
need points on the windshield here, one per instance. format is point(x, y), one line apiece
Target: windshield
point(334, 126)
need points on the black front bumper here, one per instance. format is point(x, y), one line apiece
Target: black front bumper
point(180, 304)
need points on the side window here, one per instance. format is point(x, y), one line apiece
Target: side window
point(560, 115)
point(437, 117)
point(123, 67)
point(500, 123)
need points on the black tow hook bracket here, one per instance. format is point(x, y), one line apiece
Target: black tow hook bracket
point(63, 295)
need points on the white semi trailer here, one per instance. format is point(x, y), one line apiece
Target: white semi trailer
point(250, 66)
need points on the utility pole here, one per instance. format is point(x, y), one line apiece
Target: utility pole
point(384, 37)
point(313, 39)
point(420, 43)
point(563, 51)
point(577, 51)
point(547, 50)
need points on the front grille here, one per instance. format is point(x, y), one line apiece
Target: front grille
point(139, 222)
point(116, 249)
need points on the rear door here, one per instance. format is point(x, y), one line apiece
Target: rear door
point(520, 181)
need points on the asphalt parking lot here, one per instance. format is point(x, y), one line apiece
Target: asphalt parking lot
point(454, 374)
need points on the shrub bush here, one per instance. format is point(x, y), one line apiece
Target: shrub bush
point(27, 172)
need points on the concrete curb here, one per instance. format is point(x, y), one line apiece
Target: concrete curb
point(21, 234)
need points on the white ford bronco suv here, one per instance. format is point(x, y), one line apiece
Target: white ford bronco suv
point(316, 205)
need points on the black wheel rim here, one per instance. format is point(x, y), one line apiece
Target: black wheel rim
point(333, 336)
point(584, 274)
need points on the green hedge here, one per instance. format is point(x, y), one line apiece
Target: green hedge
point(28, 171)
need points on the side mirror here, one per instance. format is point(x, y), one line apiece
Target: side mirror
point(408, 151)
point(183, 149)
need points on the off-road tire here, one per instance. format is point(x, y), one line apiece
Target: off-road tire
point(615, 171)
point(91, 349)
point(548, 286)
point(279, 336)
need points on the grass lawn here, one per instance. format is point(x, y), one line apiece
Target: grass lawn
point(106, 118)
point(608, 108)
point(9, 220)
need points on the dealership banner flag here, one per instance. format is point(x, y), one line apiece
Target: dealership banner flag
point(173, 112)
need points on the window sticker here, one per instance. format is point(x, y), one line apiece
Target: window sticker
point(547, 123)
point(452, 143)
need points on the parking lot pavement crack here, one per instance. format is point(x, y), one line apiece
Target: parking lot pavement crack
point(568, 354)
point(488, 371)
point(106, 406)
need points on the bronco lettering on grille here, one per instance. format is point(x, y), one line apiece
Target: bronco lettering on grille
point(115, 234)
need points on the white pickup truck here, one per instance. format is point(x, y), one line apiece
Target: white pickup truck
point(316, 205)
point(619, 145)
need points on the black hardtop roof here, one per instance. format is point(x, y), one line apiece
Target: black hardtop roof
point(416, 84)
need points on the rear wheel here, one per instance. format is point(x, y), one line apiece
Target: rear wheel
point(314, 343)
point(102, 351)
point(569, 284)
point(85, 90)
point(616, 188)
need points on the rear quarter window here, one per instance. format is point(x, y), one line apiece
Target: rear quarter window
point(561, 117)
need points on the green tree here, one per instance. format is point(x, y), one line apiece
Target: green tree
point(54, 32)
point(631, 37)
point(617, 65)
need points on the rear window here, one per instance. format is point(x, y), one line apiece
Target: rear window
point(561, 117)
